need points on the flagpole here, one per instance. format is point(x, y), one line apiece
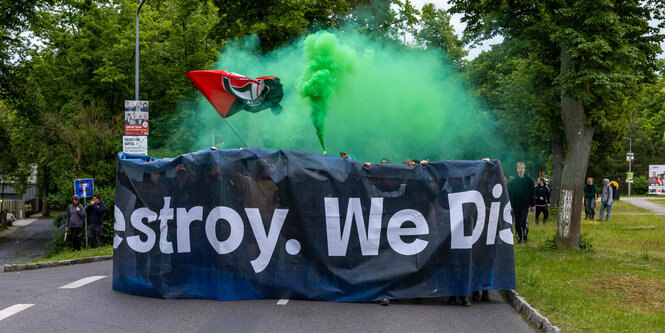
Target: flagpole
point(234, 132)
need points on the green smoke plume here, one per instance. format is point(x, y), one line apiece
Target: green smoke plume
point(328, 63)
point(382, 100)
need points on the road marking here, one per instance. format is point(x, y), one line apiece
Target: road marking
point(82, 282)
point(282, 302)
point(12, 310)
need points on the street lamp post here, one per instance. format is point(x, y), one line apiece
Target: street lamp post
point(630, 150)
point(136, 57)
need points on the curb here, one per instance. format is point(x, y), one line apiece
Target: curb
point(23, 267)
point(531, 314)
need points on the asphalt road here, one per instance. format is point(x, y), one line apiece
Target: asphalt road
point(21, 243)
point(95, 307)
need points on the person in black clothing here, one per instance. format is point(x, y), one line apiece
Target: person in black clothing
point(542, 199)
point(590, 196)
point(96, 212)
point(520, 191)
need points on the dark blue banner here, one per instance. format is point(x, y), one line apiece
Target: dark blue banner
point(254, 223)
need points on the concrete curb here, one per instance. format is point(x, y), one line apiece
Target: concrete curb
point(23, 267)
point(531, 314)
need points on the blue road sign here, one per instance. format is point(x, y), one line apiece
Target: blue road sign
point(84, 187)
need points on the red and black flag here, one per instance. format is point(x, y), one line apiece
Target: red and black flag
point(229, 92)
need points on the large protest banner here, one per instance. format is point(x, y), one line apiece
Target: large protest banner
point(254, 223)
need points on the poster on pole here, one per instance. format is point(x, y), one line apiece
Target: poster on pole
point(135, 145)
point(629, 177)
point(656, 179)
point(136, 118)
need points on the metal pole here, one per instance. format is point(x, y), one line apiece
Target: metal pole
point(630, 150)
point(136, 56)
point(630, 162)
point(85, 203)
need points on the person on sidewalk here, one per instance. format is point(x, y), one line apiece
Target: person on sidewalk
point(520, 191)
point(590, 196)
point(75, 217)
point(606, 200)
point(96, 212)
point(542, 198)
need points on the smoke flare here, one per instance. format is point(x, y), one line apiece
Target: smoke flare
point(328, 64)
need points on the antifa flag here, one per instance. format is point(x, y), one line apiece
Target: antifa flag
point(258, 224)
point(229, 92)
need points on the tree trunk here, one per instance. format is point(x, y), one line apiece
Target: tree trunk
point(557, 168)
point(578, 138)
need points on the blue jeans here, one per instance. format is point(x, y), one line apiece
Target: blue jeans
point(602, 208)
point(589, 208)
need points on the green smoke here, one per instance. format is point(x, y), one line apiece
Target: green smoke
point(328, 63)
point(382, 100)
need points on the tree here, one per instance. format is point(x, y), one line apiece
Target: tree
point(437, 32)
point(605, 48)
point(515, 90)
point(64, 108)
point(274, 21)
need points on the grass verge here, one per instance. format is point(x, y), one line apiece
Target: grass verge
point(623, 207)
point(67, 254)
point(658, 201)
point(616, 287)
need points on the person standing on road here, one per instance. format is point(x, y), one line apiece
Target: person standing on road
point(590, 196)
point(96, 213)
point(75, 217)
point(520, 191)
point(542, 198)
point(606, 200)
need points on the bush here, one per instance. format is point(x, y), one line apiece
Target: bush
point(640, 185)
point(59, 220)
point(58, 244)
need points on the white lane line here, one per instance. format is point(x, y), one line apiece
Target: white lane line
point(282, 302)
point(12, 310)
point(82, 282)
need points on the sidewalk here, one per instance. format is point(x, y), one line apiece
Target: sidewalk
point(642, 202)
point(18, 224)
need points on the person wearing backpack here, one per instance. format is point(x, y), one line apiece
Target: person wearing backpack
point(606, 200)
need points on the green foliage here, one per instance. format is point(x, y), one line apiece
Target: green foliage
point(640, 185)
point(275, 22)
point(60, 220)
point(437, 32)
point(58, 244)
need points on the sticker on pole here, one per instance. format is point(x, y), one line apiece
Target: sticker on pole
point(84, 188)
point(137, 145)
